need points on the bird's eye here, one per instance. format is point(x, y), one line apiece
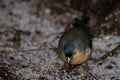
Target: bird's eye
point(74, 52)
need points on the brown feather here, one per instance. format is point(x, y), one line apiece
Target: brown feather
point(79, 57)
point(63, 57)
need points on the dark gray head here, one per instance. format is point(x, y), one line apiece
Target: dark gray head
point(68, 49)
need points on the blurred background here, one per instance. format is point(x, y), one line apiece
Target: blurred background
point(30, 31)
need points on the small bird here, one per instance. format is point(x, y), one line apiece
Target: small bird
point(75, 45)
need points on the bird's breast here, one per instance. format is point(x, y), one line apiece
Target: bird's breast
point(79, 57)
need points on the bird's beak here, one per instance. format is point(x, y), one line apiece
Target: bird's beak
point(69, 60)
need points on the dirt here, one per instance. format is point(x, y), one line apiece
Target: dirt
point(28, 46)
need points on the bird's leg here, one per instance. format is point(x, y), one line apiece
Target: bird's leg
point(85, 67)
point(66, 67)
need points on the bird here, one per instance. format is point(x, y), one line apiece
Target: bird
point(75, 45)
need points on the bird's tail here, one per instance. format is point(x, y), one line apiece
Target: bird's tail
point(80, 22)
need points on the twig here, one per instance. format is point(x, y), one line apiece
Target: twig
point(112, 52)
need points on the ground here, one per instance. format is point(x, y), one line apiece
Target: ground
point(28, 44)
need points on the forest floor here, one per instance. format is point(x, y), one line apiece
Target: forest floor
point(28, 46)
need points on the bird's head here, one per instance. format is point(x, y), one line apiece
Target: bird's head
point(74, 57)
